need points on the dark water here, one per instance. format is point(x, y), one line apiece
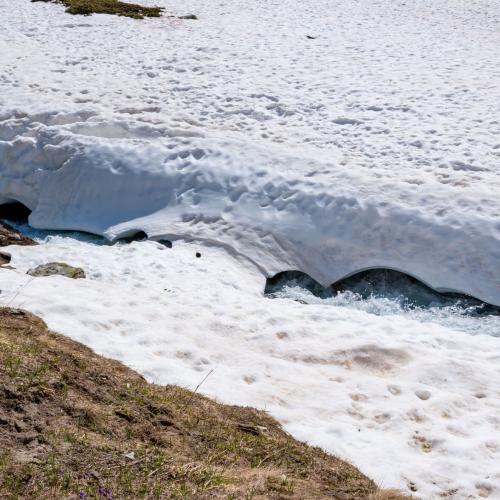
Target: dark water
point(390, 293)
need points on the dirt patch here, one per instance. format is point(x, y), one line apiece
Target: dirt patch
point(76, 425)
point(373, 358)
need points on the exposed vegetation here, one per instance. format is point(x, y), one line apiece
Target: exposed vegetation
point(76, 425)
point(88, 7)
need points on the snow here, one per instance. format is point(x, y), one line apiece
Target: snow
point(413, 402)
point(374, 145)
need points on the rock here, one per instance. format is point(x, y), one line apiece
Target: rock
point(9, 392)
point(255, 430)
point(57, 268)
point(423, 395)
point(20, 426)
point(10, 236)
point(4, 420)
point(28, 437)
point(15, 312)
point(189, 16)
point(4, 258)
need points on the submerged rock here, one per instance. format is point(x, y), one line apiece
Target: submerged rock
point(57, 268)
point(10, 236)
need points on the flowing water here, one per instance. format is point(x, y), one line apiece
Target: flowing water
point(381, 292)
point(387, 293)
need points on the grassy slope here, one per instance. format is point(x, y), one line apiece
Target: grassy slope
point(69, 418)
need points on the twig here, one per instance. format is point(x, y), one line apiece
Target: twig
point(155, 471)
point(199, 385)
point(21, 288)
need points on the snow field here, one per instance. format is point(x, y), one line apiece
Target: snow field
point(414, 404)
point(375, 144)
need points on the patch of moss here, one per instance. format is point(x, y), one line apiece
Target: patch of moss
point(114, 7)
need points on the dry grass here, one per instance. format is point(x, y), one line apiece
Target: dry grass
point(387, 495)
point(77, 425)
point(115, 7)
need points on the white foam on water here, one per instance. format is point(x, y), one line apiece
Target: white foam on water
point(388, 294)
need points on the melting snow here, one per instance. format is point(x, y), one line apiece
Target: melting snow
point(413, 401)
point(326, 138)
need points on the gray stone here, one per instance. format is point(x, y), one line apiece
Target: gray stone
point(57, 268)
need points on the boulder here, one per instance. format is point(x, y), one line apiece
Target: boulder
point(57, 268)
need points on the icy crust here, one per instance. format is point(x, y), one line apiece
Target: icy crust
point(283, 209)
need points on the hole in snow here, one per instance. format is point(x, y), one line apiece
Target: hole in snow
point(134, 236)
point(385, 292)
point(15, 212)
point(166, 243)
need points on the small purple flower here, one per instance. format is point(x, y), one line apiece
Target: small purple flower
point(82, 495)
point(105, 492)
